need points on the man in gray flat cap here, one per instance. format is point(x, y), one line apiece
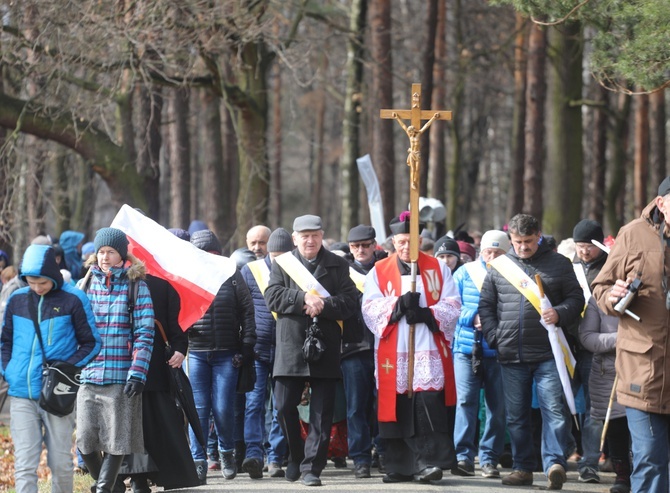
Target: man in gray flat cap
point(306, 285)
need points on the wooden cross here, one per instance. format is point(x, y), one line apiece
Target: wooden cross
point(387, 366)
point(415, 114)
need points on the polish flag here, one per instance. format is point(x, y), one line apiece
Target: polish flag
point(195, 274)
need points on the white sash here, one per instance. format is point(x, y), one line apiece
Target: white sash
point(583, 283)
point(358, 278)
point(300, 275)
point(477, 273)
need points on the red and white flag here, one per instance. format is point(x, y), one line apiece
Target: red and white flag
point(195, 274)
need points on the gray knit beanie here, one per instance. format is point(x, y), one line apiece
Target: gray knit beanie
point(114, 238)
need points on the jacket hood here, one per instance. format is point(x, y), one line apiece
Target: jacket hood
point(133, 266)
point(40, 261)
point(652, 215)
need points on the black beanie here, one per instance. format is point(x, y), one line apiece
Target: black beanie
point(446, 245)
point(206, 240)
point(114, 238)
point(280, 241)
point(587, 230)
point(664, 187)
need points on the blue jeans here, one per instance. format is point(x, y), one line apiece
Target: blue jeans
point(649, 434)
point(466, 430)
point(254, 414)
point(213, 379)
point(278, 450)
point(30, 425)
point(518, 381)
point(358, 372)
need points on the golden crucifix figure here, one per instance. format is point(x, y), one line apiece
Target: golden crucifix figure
point(415, 115)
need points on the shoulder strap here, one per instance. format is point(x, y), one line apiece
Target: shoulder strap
point(33, 315)
point(133, 290)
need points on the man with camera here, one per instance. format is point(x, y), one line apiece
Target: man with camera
point(309, 282)
point(413, 418)
point(640, 256)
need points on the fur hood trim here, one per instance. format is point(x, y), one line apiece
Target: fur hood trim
point(135, 268)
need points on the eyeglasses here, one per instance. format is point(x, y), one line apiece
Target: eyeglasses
point(357, 246)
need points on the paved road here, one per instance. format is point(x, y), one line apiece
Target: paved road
point(343, 480)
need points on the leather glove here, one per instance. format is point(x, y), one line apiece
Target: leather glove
point(248, 355)
point(133, 387)
point(422, 315)
point(405, 302)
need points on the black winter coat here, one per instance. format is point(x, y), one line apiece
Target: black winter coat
point(510, 323)
point(229, 322)
point(285, 297)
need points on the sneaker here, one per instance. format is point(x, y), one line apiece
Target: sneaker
point(518, 478)
point(201, 471)
point(589, 475)
point(463, 468)
point(362, 471)
point(228, 465)
point(490, 471)
point(214, 465)
point(253, 466)
point(556, 477)
point(275, 470)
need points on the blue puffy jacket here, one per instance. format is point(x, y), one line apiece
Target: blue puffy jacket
point(66, 322)
point(464, 335)
point(266, 325)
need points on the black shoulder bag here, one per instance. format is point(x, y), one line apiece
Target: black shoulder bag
point(60, 380)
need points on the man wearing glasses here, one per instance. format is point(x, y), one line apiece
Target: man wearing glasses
point(358, 357)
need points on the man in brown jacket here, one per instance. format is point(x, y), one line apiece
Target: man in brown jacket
point(641, 252)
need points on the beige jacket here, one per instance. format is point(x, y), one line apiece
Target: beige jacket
point(643, 348)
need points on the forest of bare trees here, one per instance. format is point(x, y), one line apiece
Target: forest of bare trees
point(243, 112)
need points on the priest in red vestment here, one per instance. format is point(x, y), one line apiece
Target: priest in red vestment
point(417, 431)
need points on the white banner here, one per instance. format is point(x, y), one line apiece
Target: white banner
point(369, 177)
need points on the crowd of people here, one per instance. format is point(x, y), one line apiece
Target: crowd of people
point(315, 350)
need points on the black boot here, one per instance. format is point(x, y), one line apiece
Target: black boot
point(111, 465)
point(93, 463)
point(622, 480)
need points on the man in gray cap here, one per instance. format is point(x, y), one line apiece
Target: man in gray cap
point(309, 285)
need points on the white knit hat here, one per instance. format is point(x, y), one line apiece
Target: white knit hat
point(495, 239)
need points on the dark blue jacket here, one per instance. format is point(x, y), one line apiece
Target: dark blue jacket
point(66, 322)
point(266, 326)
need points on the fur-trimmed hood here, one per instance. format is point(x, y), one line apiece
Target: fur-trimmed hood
point(133, 266)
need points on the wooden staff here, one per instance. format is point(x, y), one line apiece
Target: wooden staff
point(609, 412)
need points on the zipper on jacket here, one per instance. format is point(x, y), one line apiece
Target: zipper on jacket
point(30, 366)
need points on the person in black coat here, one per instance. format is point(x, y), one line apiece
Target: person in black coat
point(219, 343)
point(327, 274)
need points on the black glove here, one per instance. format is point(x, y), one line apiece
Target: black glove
point(248, 355)
point(422, 315)
point(405, 302)
point(133, 387)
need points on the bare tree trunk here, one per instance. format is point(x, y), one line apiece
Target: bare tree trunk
point(515, 197)
point(427, 87)
point(214, 192)
point(565, 152)
point(437, 160)
point(180, 158)
point(536, 95)
point(616, 192)
point(276, 158)
point(230, 173)
point(455, 174)
point(657, 137)
point(62, 190)
point(150, 117)
point(383, 155)
point(349, 191)
point(641, 147)
point(597, 184)
point(316, 198)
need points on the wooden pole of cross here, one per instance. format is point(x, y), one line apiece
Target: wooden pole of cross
point(415, 115)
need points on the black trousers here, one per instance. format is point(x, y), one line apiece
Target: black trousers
point(313, 453)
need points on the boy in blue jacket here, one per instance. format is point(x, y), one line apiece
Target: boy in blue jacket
point(69, 335)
